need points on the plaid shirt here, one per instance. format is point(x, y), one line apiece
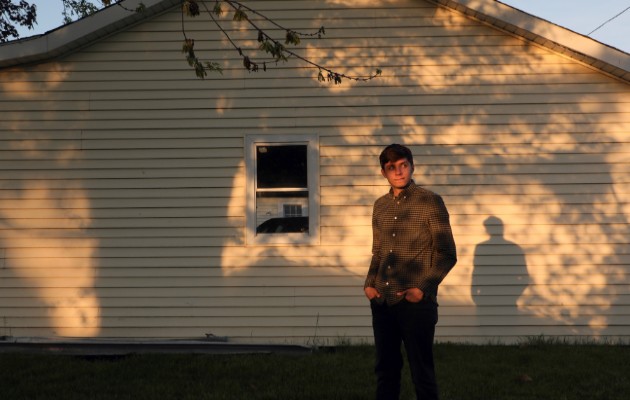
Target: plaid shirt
point(412, 244)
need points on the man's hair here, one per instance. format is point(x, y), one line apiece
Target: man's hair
point(393, 153)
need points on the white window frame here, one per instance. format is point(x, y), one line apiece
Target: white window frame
point(312, 159)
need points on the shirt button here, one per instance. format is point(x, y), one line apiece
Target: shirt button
point(393, 234)
point(395, 217)
point(389, 267)
point(386, 283)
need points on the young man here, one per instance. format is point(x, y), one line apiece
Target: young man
point(412, 251)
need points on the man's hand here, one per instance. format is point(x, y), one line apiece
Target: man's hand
point(371, 293)
point(413, 295)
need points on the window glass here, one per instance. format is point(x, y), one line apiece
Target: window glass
point(281, 186)
point(281, 166)
point(283, 189)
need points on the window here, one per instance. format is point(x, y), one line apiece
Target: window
point(292, 210)
point(282, 189)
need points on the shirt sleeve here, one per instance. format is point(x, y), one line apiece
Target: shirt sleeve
point(444, 253)
point(370, 281)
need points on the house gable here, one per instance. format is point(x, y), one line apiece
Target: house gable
point(123, 184)
point(112, 19)
point(72, 37)
point(546, 34)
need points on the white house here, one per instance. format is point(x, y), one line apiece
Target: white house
point(131, 191)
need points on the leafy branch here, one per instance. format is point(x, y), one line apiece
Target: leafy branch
point(23, 13)
point(276, 49)
point(73, 9)
point(141, 6)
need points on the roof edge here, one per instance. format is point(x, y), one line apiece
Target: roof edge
point(80, 33)
point(600, 56)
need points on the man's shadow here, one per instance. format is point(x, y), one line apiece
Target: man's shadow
point(500, 273)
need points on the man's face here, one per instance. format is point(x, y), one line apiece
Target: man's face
point(398, 173)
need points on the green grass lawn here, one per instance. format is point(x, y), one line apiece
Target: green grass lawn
point(501, 372)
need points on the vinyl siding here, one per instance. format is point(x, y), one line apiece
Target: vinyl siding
point(122, 183)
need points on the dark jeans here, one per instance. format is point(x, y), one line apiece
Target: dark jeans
point(414, 325)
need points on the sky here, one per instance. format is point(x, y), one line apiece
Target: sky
point(581, 16)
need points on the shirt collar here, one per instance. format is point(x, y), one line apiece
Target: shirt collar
point(405, 191)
